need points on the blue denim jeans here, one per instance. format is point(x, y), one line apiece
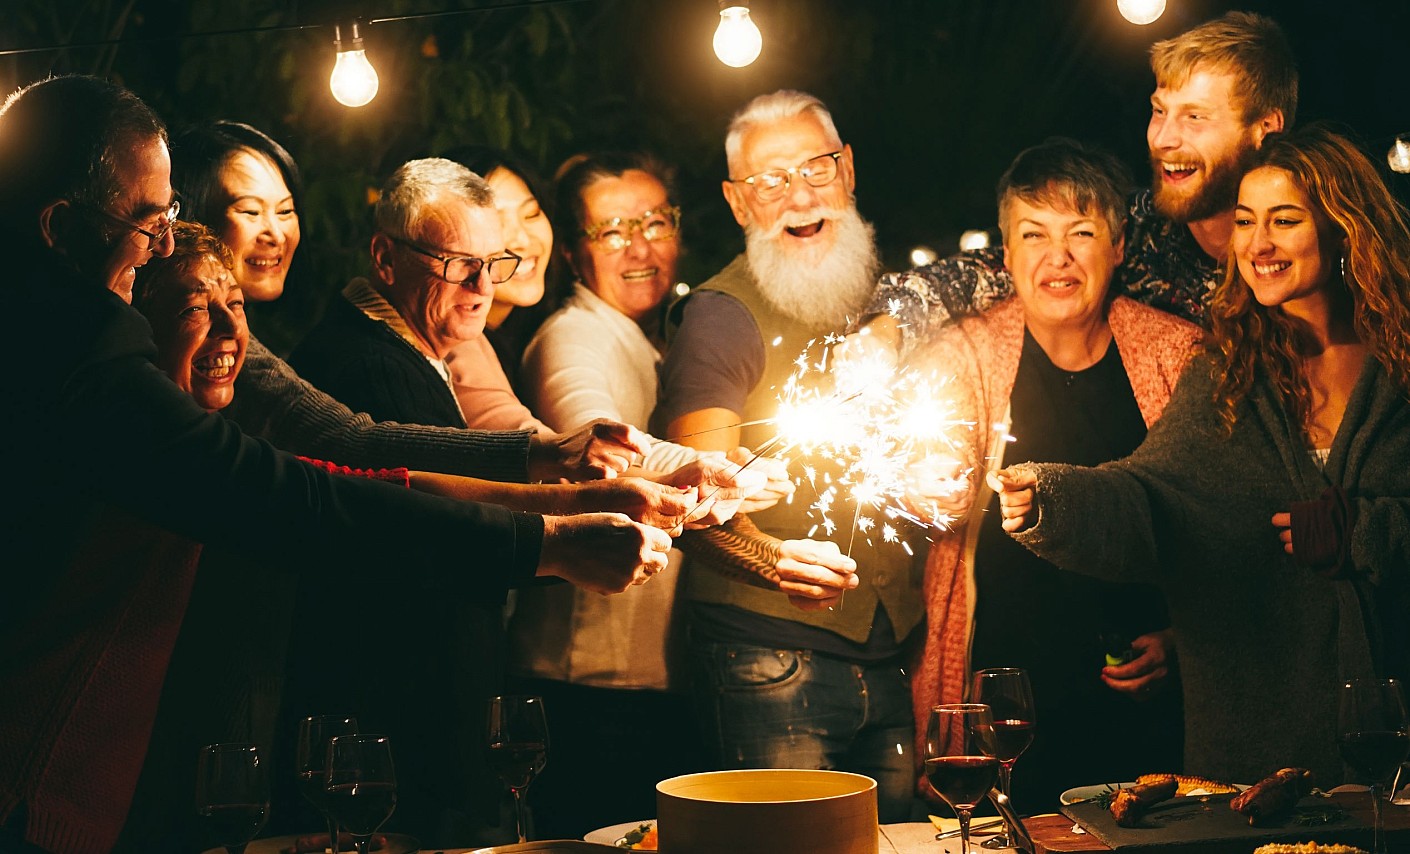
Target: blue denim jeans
point(785, 708)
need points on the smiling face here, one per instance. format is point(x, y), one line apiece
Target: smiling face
point(802, 221)
point(142, 170)
point(1061, 260)
point(260, 224)
point(633, 280)
point(1284, 246)
point(527, 233)
point(197, 313)
point(1199, 140)
point(439, 313)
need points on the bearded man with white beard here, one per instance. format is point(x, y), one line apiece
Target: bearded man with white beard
point(1220, 89)
point(778, 686)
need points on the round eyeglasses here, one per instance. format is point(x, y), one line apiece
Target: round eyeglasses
point(459, 269)
point(771, 184)
point(158, 232)
point(615, 234)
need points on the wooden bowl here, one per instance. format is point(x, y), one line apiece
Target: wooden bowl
point(767, 812)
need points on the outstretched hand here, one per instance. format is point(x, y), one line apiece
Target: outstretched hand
point(1017, 489)
point(602, 552)
point(598, 449)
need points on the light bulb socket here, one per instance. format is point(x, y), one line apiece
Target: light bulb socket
point(354, 41)
point(733, 4)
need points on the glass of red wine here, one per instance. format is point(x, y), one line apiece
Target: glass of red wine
point(232, 793)
point(1005, 690)
point(516, 741)
point(1375, 737)
point(959, 759)
point(311, 757)
point(362, 785)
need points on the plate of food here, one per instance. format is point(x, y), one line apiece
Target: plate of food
point(1186, 786)
point(632, 835)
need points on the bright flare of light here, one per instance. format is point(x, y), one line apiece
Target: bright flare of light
point(681, 289)
point(1140, 11)
point(1399, 156)
point(354, 80)
point(922, 255)
point(975, 238)
point(737, 39)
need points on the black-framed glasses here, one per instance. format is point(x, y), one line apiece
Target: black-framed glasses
point(459, 269)
point(615, 234)
point(771, 184)
point(165, 220)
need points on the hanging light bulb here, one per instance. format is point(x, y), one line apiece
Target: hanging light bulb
point(354, 80)
point(737, 39)
point(922, 255)
point(1140, 11)
point(1399, 156)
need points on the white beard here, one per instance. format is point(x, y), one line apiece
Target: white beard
point(820, 292)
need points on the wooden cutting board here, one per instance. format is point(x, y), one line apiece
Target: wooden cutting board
point(1212, 832)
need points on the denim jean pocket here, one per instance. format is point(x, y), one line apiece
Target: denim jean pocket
point(753, 668)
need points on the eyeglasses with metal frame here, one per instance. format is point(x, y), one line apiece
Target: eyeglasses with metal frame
point(615, 234)
point(165, 220)
point(771, 184)
point(459, 269)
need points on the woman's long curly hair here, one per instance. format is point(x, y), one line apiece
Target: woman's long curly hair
point(1344, 187)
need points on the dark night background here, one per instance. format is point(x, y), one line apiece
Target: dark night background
point(935, 96)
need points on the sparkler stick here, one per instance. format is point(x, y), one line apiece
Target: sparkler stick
point(706, 501)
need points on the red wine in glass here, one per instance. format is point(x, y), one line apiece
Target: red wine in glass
point(362, 807)
point(1011, 738)
point(1375, 754)
point(962, 781)
point(232, 793)
point(311, 760)
point(1007, 693)
point(233, 825)
point(1374, 738)
point(362, 785)
point(517, 762)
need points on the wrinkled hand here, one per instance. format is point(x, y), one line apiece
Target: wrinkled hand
point(778, 485)
point(938, 489)
point(602, 552)
point(598, 449)
point(814, 573)
point(1283, 522)
point(720, 486)
point(1018, 497)
point(660, 505)
point(1147, 673)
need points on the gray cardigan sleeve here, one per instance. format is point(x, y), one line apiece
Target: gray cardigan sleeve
point(274, 403)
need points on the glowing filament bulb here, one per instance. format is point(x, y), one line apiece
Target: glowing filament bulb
point(737, 39)
point(354, 80)
point(1399, 155)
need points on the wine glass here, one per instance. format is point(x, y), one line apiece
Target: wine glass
point(516, 739)
point(1005, 690)
point(362, 785)
point(959, 758)
point(1375, 737)
point(232, 793)
point(312, 761)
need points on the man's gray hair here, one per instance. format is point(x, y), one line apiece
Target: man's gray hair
point(773, 107)
point(419, 183)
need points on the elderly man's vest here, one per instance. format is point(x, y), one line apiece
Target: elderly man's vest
point(887, 573)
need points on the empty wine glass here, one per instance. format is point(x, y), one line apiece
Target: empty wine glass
point(311, 758)
point(232, 793)
point(1005, 690)
point(1375, 737)
point(516, 740)
point(362, 785)
point(959, 758)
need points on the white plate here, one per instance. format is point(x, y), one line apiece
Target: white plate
point(610, 835)
point(1086, 793)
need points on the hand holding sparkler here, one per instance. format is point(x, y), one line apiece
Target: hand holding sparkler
point(721, 484)
point(1017, 488)
point(938, 489)
point(814, 573)
point(777, 487)
point(600, 448)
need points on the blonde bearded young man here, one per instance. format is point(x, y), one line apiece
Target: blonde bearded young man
point(779, 686)
point(1220, 89)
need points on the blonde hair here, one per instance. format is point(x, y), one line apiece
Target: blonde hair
point(1344, 186)
point(1251, 47)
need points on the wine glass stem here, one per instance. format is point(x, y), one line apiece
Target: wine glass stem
point(363, 843)
point(963, 816)
point(1378, 843)
point(1005, 773)
point(332, 835)
point(519, 814)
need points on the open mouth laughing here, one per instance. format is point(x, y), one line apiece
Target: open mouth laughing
point(215, 366)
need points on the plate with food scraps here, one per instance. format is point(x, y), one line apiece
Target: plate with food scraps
point(1189, 787)
point(626, 835)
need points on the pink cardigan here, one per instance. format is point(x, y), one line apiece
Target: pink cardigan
point(982, 354)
